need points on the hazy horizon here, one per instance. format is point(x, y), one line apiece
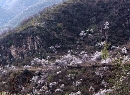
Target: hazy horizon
point(14, 11)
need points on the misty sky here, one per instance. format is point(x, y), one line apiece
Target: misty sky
point(13, 11)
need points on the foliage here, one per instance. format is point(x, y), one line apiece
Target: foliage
point(121, 82)
point(18, 78)
point(104, 51)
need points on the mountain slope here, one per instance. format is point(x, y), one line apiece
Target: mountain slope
point(57, 30)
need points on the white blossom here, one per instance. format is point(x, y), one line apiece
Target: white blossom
point(104, 83)
point(106, 25)
point(96, 56)
point(62, 86)
point(58, 90)
point(124, 50)
point(41, 81)
point(91, 89)
point(106, 61)
point(52, 84)
point(34, 78)
point(103, 92)
point(91, 30)
point(76, 93)
point(115, 47)
point(77, 83)
point(58, 72)
point(100, 44)
point(27, 66)
point(125, 59)
point(82, 33)
point(98, 73)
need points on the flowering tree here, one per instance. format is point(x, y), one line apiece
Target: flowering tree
point(104, 51)
point(106, 27)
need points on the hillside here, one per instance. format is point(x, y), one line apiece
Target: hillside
point(79, 47)
point(95, 80)
point(61, 26)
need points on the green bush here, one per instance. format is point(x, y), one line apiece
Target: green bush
point(104, 51)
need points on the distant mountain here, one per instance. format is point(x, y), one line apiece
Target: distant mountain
point(12, 12)
point(31, 10)
point(3, 15)
point(18, 6)
point(4, 2)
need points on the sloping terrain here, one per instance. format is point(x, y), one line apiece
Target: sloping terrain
point(92, 80)
point(60, 27)
point(80, 47)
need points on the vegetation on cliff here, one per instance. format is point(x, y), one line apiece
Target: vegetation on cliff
point(60, 26)
point(76, 48)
